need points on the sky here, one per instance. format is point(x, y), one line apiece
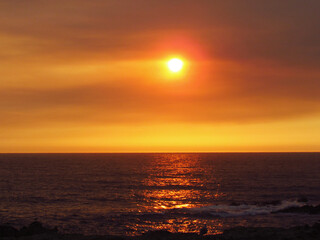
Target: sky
point(91, 76)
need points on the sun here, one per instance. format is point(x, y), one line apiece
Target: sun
point(175, 65)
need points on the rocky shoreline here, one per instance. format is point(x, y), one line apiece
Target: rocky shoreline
point(36, 231)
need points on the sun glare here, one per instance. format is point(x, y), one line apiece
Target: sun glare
point(175, 65)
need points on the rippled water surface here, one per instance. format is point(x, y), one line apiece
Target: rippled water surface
point(133, 193)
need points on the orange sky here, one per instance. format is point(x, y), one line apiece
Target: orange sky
point(90, 76)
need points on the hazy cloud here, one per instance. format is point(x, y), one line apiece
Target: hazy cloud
point(279, 35)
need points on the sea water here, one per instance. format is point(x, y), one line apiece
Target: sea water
point(128, 194)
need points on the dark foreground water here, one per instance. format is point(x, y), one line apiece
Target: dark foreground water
point(133, 193)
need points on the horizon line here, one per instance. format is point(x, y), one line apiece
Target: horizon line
point(169, 152)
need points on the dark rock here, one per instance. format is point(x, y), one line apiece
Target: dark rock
point(316, 226)
point(36, 228)
point(8, 231)
point(264, 233)
point(204, 230)
point(157, 235)
point(238, 233)
point(243, 233)
point(166, 235)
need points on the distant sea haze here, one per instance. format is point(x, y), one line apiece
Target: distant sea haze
point(133, 193)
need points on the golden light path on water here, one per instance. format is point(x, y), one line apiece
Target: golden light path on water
point(174, 182)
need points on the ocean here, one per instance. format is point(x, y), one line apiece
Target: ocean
point(129, 194)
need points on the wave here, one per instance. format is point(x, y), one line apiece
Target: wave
point(223, 210)
point(237, 210)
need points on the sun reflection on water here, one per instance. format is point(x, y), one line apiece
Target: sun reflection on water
point(183, 225)
point(176, 182)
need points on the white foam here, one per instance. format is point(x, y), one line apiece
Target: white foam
point(241, 210)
